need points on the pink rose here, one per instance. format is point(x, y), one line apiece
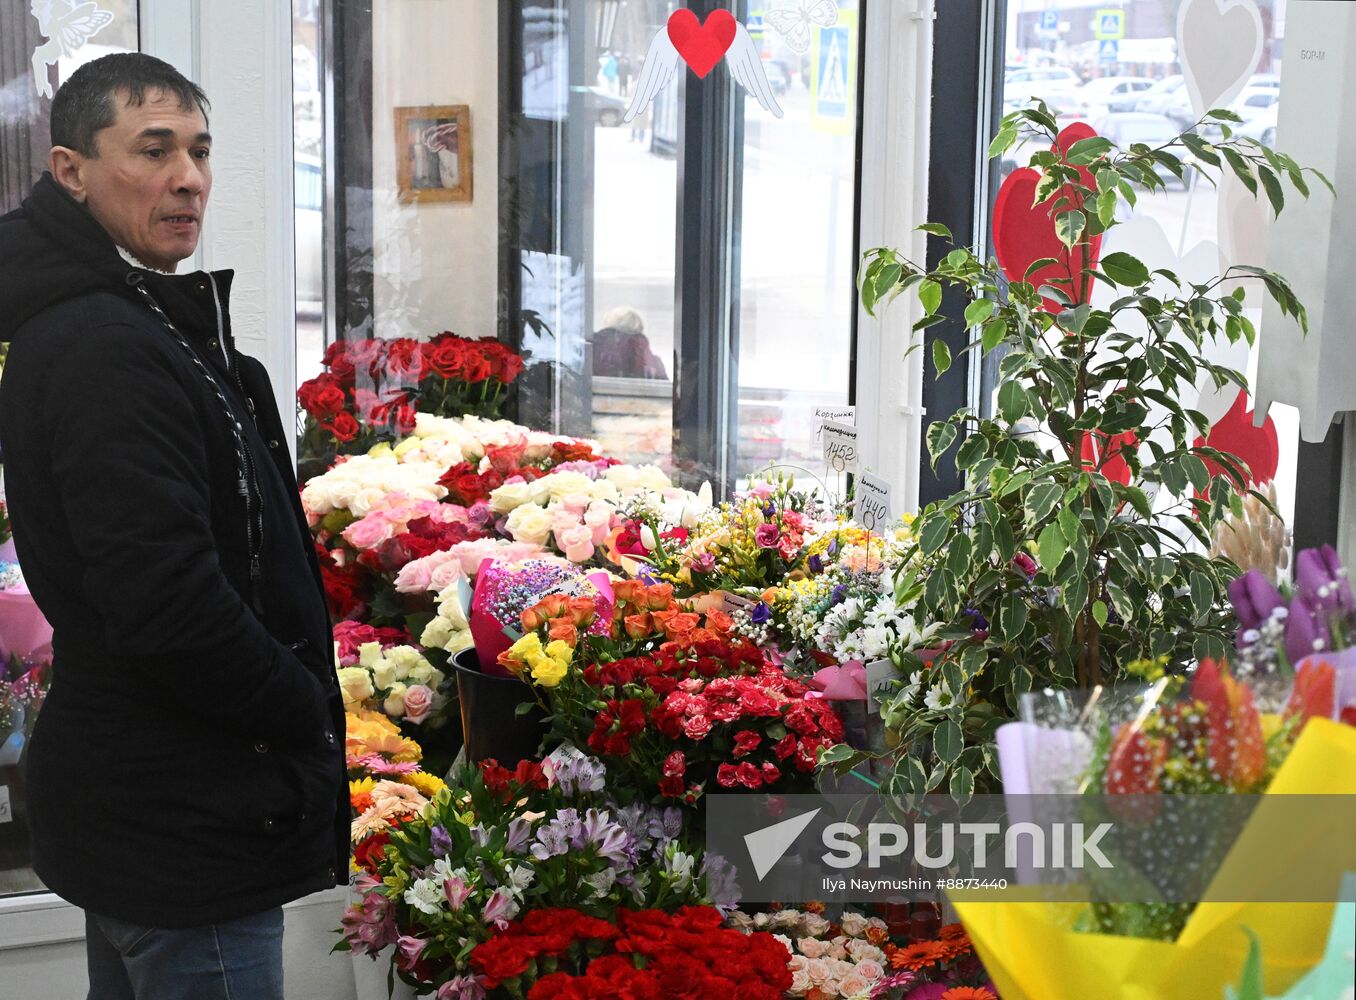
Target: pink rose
point(818, 970)
point(418, 703)
point(767, 536)
point(599, 519)
point(854, 985)
point(576, 542)
point(370, 531)
point(800, 983)
point(870, 971)
point(813, 947)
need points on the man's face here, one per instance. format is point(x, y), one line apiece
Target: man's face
point(149, 184)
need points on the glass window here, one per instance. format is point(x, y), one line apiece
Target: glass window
point(41, 49)
point(1131, 89)
point(680, 283)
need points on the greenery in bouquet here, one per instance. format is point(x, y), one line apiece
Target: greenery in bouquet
point(495, 853)
point(6, 531)
point(1071, 551)
point(372, 389)
point(671, 698)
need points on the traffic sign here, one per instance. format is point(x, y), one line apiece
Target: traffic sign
point(1049, 20)
point(833, 77)
point(1108, 50)
point(1110, 23)
point(755, 23)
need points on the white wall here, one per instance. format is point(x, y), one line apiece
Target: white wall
point(435, 262)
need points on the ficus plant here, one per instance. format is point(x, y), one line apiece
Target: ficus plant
point(1077, 546)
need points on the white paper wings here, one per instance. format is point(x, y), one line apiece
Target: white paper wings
point(662, 61)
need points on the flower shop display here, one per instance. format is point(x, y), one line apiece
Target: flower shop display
point(372, 390)
point(379, 673)
point(1071, 551)
point(673, 700)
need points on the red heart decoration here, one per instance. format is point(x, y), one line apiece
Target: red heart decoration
point(1106, 456)
point(1235, 434)
point(701, 45)
point(1024, 233)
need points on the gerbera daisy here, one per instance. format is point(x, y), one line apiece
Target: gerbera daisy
point(969, 993)
point(918, 955)
point(361, 785)
point(369, 823)
point(952, 931)
point(955, 947)
point(397, 797)
point(428, 785)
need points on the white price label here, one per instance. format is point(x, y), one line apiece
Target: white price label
point(872, 503)
point(733, 602)
point(6, 813)
point(840, 446)
point(833, 414)
point(566, 753)
point(879, 675)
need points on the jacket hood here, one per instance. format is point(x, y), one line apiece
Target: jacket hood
point(52, 249)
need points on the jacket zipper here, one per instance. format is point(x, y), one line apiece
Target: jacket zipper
point(254, 504)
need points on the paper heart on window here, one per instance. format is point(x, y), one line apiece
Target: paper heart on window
point(1107, 454)
point(1024, 233)
point(1237, 434)
point(1219, 43)
point(701, 45)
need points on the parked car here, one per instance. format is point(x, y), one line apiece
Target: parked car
point(604, 107)
point(1125, 128)
point(1262, 126)
point(1153, 100)
point(1096, 96)
point(1057, 86)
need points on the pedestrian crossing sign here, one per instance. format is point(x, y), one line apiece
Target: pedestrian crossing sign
point(1110, 23)
point(833, 76)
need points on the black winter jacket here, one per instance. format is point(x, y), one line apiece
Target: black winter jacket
point(187, 767)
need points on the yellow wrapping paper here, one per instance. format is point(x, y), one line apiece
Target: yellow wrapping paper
point(1032, 953)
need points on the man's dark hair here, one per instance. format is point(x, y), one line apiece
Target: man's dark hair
point(84, 105)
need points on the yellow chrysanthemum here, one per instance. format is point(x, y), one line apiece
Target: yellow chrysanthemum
point(427, 784)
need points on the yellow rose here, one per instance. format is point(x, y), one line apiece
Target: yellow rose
point(356, 684)
point(384, 674)
point(395, 700)
point(559, 649)
point(379, 450)
point(369, 654)
point(548, 671)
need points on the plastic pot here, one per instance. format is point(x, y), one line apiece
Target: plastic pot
point(490, 722)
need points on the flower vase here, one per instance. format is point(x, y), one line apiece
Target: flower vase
point(492, 727)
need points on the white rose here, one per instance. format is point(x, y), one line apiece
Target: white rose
point(853, 924)
point(356, 684)
point(422, 672)
point(459, 641)
point(530, 523)
point(384, 674)
point(513, 495)
point(394, 705)
point(406, 659)
point(813, 925)
point(369, 654)
point(450, 609)
point(563, 484)
point(800, 983)
point(437, 633)
point(436, 677)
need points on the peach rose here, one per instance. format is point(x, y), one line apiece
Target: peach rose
point(418, 703)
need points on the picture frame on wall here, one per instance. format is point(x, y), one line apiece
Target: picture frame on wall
point(433, 153)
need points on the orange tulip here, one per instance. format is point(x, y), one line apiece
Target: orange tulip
point(1237, 746)
point(1314, 692)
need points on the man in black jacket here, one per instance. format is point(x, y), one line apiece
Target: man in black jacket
point(186, 776)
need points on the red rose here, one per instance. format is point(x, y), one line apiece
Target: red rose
point(338, 361)
point(496, 777)
point(344, 427)
point(748, 775)
point(509, 368)
point(366, 356)
point(405, 415)
point(341, 589)
point(799, 720)
point(446, 357)
point(322, 397)
point(746, 741)
point(475, 366)
point(529, 774)
point(405, 361)
point(672, 787)
point(770, 772)
point(617, 745)
point(727, 776)
point(785, 747)
point(504, 459)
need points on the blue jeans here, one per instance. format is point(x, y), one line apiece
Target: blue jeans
point(236, 960)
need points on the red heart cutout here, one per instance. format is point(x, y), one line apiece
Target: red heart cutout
point(1024, 233)
point(1235, 434)
point(1106, 456)
point(701, 45)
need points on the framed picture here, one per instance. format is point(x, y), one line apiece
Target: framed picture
point(433, 153)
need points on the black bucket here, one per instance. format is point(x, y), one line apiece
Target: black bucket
point(490, 722)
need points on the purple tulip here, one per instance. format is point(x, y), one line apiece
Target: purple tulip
point(1302, 630)
point(1322, 582)
point(1254, 599)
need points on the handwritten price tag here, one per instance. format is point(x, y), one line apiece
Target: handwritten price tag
point(833, 414)
point(872, 504)
point(840, 446)
point(880, 674)
point(6, 813)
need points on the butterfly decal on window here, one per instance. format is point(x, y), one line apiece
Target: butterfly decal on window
point(67, 26)
point(797, 22)
point(701, 46)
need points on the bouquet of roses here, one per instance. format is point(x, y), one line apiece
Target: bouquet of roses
point(373, 388)
point(397, 680)
point(670, 697)
point(1311, 631)
point(497, 845)
point(842, 958)
point(641, 954)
